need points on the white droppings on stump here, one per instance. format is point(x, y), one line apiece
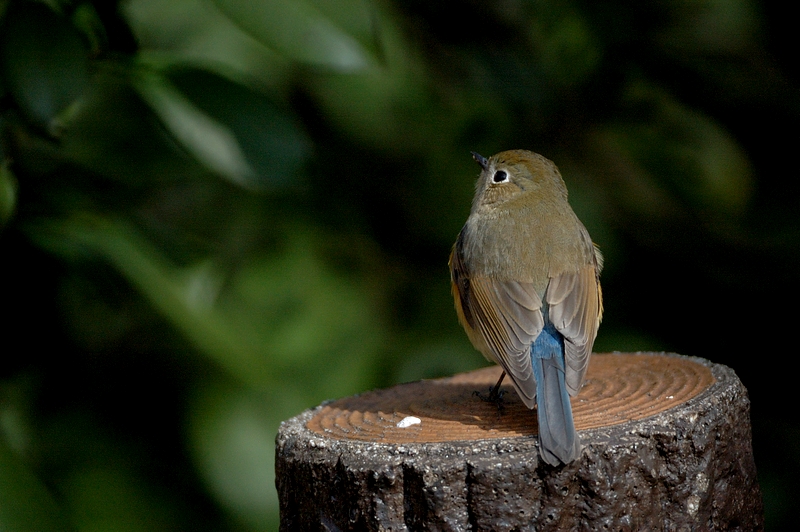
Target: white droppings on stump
point(408, 421)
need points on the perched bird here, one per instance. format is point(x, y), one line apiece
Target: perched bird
point(525, 279)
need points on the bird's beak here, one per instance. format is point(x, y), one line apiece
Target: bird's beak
point(480, 159)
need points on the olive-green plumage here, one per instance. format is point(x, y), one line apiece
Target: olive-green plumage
point(524, 264)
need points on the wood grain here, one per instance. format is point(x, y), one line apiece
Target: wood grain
point(618, 388)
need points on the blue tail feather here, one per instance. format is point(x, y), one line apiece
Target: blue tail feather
point(558, 441)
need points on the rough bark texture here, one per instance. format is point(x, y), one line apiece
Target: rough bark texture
point(687, 468)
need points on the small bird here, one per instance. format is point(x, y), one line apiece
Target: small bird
point(526, 282)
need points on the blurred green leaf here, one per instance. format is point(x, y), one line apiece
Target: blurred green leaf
point(110, 498)
point(43, 63)
point(231, 436)
point(25, 502)
point(673, 149)
point(8, 192)
point(709, 26)
point(15, 414)
point(212, 143)
point(388, 104)
point(116, 135)
point(86, 19)
point(195, 32)
point(270, 138)
point(564, 43)
point(437, 359)
point(299, 30)
point(257, 322)
point(103, 481)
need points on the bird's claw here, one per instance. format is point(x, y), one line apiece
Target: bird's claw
point(495, 396)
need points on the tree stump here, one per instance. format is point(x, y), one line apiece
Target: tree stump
point(666, 446)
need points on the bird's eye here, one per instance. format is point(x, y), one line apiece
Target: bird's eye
point(500, 176)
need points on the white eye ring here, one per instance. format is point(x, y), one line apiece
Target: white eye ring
point(500, 176)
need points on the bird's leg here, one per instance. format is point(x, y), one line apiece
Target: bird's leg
point(495, 393)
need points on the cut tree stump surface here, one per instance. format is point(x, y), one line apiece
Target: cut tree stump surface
point(618, 389)
point(666, 446)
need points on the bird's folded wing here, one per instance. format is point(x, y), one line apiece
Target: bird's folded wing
point(575, 308)
point(510, 319)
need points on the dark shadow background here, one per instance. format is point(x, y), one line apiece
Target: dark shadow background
point(216, 214)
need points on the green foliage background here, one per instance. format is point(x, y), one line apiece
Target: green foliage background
point(216, 214)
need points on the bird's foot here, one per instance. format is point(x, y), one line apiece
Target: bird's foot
point(495, 396)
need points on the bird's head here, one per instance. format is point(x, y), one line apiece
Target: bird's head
point(512, 173)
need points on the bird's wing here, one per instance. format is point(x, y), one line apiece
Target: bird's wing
point(502, 319)
point(575, 307)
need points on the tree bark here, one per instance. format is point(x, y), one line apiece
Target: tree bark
point(666, 446)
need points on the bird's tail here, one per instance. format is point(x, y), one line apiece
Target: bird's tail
point(558, 441)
